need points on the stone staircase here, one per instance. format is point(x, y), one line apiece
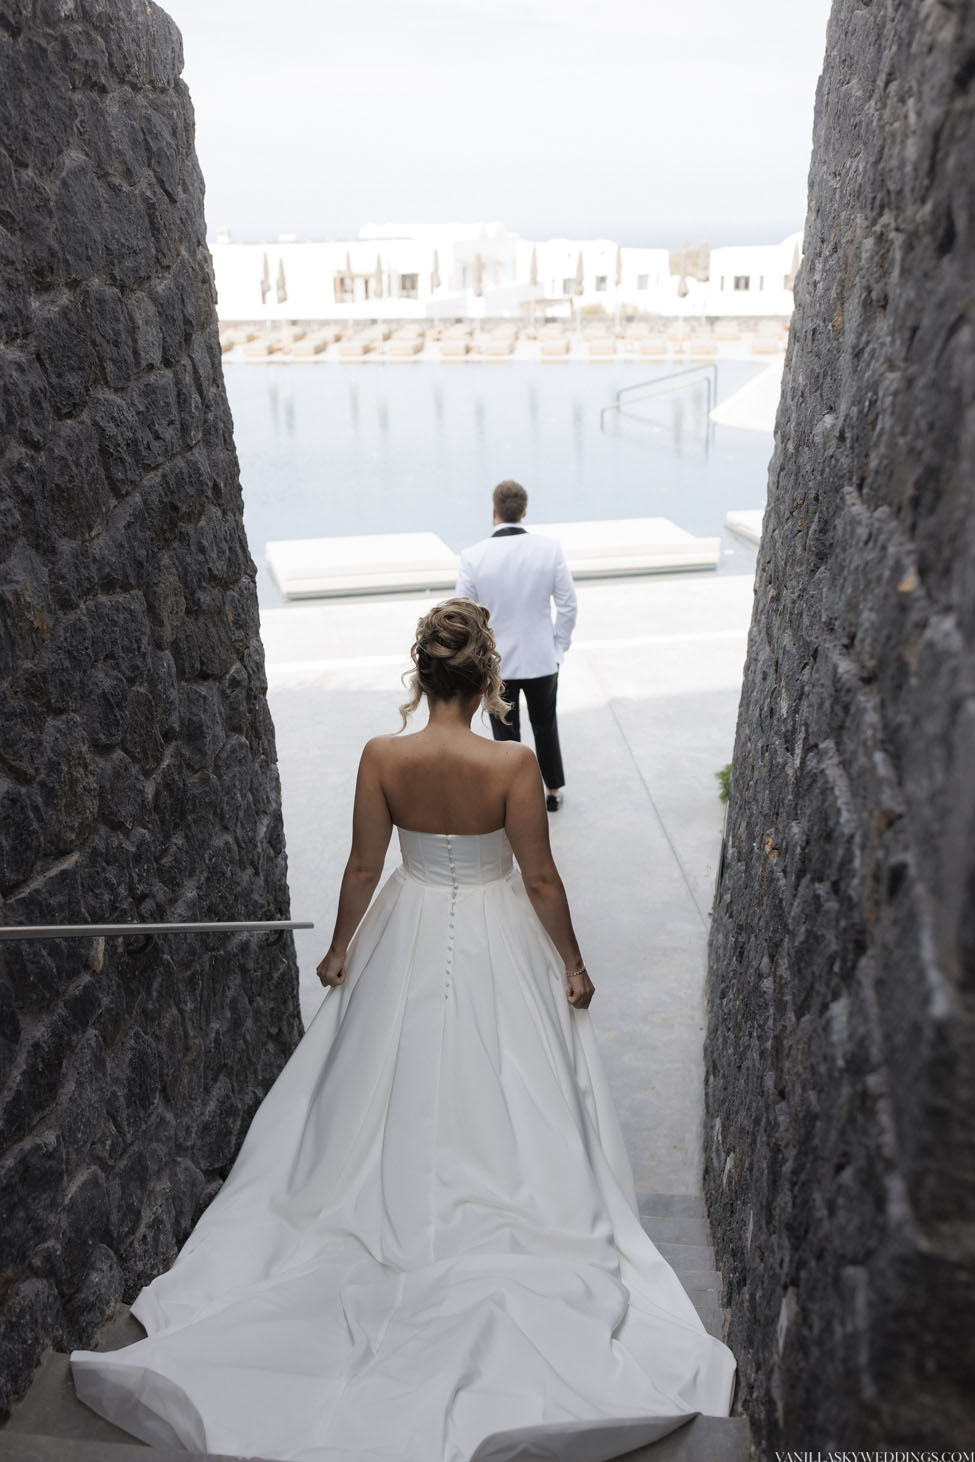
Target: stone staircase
point(51, 1425)
point(678, 1226)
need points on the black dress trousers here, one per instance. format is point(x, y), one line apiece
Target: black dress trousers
point(540, 695)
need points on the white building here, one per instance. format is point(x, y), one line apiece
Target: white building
point(478, 270)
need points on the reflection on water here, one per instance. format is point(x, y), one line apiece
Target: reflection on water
point(677, 423)
point(335, 449)
point(578, 430)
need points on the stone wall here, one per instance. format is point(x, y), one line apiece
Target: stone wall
point(137, 765)
point(840, 1049)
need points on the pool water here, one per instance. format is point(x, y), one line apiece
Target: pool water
point(333, 448)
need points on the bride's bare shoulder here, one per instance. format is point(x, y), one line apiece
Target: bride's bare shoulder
point(388, 747)
point(513, 751)
point(508, 762)
point(376, 745)
point(511, 754)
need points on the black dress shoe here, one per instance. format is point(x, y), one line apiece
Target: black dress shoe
point(553, 801)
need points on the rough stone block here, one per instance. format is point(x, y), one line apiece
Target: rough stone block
point(145, 333)
point(31, 1318)
point(63, 352)
point(118, 441)
point(77, 206)
point(201, 728)
point(24, 398)
point(66, 785)
point(840, 1042)
point(21, 839)
point(105, 711)
point(99, 1291)
point(141, 739)
point(128, 633)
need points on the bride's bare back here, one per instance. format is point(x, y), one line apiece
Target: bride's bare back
point(447, 780)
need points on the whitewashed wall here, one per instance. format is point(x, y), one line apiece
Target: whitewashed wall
point(645, 282)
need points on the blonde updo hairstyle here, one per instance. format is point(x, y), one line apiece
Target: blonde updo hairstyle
point(453, 655)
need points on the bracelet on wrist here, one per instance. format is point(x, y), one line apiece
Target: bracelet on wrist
point(571, 974)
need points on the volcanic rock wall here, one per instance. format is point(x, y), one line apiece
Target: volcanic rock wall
point(137, 764)
point(840, 1052)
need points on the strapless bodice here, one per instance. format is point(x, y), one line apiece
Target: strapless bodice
point(455, 859)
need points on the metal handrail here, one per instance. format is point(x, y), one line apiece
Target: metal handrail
point(140, 931)
point(707, 365)
point(711, 382)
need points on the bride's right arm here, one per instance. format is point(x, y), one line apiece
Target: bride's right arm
point(526, 824)
point(371, 830)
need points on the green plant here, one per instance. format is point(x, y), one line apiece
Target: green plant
point(723, 779)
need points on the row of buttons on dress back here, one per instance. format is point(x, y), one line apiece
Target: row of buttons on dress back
point(450, 922)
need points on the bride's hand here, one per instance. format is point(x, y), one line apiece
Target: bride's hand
point(331, 970)
point(579, 990)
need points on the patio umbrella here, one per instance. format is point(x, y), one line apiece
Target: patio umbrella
point(579, 275)
point(265, 282)
point(619, 266)
point(478, 274)
point(348, 273)
point(435, 272)
point(681, 263)
point(282, 288)
point(377, 288)
point(533, 268)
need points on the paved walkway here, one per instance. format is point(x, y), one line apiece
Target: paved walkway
point(648, 700)
point(648, 703)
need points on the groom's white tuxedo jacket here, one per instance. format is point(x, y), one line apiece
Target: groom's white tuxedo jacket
point(517, 576)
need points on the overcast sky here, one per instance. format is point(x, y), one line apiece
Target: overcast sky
point(644, 121)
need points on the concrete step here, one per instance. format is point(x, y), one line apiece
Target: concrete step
point(671, 1205)
point(701, 1279)
point(704, 1439)
point(684, 1257)
point(707, 1303)
point(16, 1447)
point(52, 1425)
point(51, 1409)
point(677, 1224)
point(119, 1330)
point(676, 1230)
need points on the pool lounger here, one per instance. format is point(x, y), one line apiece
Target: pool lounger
point(384, 563)
point(375, 563)
point(746, 523)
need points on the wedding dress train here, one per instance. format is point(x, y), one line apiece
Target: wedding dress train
point(428, 1249)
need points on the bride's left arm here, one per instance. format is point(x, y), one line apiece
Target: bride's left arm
point(371, 830)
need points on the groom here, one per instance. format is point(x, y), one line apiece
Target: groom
point(516, 575)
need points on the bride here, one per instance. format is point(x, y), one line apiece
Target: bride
point(428, 1249)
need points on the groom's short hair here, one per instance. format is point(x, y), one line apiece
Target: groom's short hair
point(510, 501)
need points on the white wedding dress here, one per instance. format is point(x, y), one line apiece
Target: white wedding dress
point(428, 1249)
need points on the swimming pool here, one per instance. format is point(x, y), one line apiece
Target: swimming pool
point(331, 449)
